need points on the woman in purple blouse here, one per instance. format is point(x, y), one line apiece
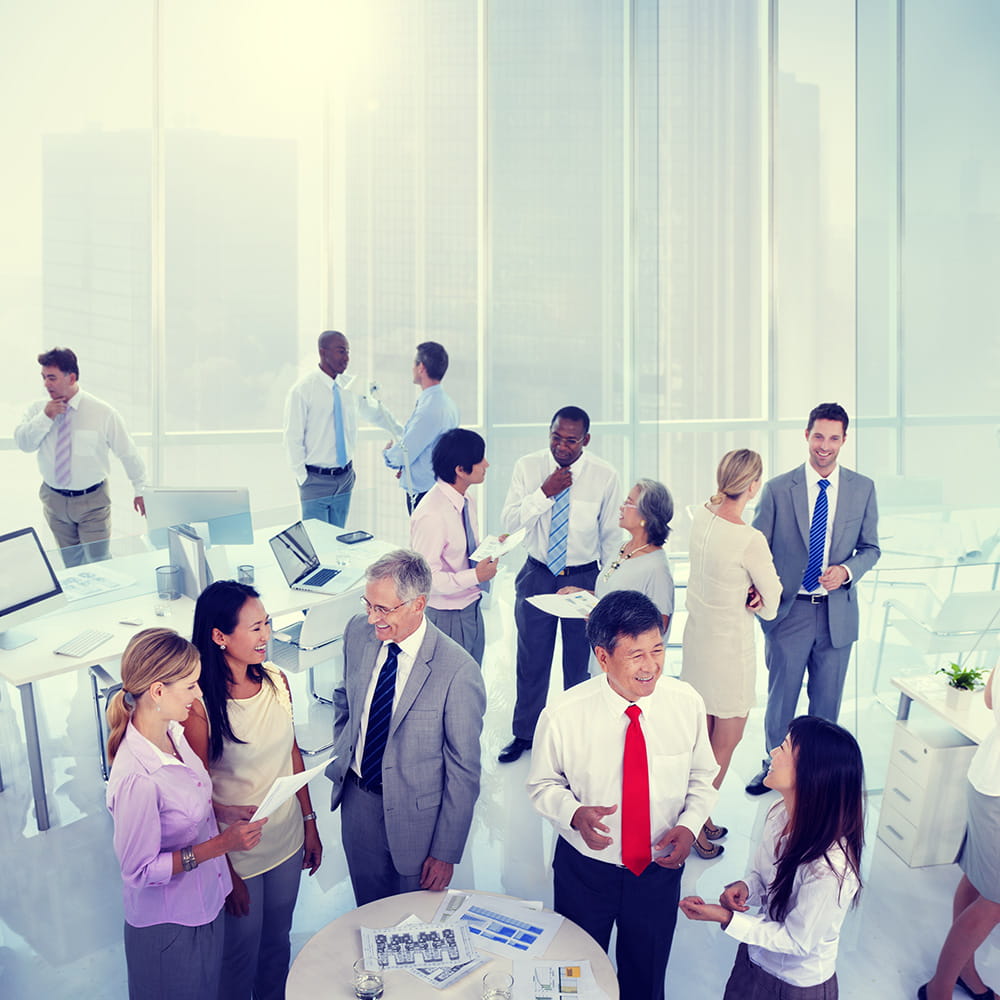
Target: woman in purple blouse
point(171, 853)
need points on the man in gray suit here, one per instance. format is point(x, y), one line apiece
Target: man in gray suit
point(821, 522)
point(408, 716)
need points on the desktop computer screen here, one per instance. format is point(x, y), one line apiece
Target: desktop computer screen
point(28, 586)
point(225, 511)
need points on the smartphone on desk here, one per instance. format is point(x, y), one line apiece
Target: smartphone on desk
point(353, 537)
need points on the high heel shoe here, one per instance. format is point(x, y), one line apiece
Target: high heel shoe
point(987, 994)
point(707, 853)
point(713, 832)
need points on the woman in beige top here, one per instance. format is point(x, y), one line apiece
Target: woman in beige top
point(244, 734)
point(732, 578)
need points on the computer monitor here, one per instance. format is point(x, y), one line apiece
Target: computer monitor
point(28, 586)
point(225, 511)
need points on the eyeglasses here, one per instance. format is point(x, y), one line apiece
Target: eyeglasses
point(378, 609)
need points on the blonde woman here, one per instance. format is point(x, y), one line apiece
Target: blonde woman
point(732, 578)
point(171, 853)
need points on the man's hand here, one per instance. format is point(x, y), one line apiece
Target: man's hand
point(54, 407)
point(569, 590)
point(140, 505)
point(734, 897)
point(679, 840)
point(486, 569)
point(695, 908)
point(238, 901)
point(833, 578)
point(436, 875)
point(587, 822)
point(557, 482)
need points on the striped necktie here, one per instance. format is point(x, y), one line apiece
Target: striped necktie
point(636, 839)
point(62, 472)
point(817, 538)
point(338, 427)
point(379, 718)
point(559, 533)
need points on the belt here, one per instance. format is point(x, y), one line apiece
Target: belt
point(77, 493)
point(811, 598)
point(568, 571)
point(355, 779)
point(317, 470)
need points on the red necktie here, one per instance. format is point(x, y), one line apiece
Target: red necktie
point(636, 853)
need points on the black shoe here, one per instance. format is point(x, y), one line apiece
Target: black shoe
point(987, 994)
point(757, 786)
point(513, 750)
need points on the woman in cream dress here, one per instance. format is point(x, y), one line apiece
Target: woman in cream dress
point(732, 578)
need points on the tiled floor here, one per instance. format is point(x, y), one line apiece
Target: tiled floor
point(60, 910)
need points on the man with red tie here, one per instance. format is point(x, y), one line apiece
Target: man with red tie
point(622, 767)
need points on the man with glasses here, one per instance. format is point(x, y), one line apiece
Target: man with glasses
point(408, 716)
point(567, 502)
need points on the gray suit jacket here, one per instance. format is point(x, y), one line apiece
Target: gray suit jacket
point(783, 517)
point(430, 772)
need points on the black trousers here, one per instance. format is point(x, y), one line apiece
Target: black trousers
point(597, 895)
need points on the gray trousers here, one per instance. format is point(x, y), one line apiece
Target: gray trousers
point(174, 962)
point(464, 625)
point(82, 525)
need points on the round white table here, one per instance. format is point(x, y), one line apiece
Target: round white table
point(323, 967)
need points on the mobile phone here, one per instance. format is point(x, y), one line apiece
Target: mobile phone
point(353, 537)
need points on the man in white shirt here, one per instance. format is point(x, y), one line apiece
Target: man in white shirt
point(622, 767)
point(434, 413)
point(821, 523)
point(321, 431)
point(567, 501)
point(73, 432)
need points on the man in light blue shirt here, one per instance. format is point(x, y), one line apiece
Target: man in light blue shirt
point(435, 412)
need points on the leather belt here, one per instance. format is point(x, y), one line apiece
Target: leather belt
point(77, 493)
point(568, 571)
point(317, 470)
point(811, 598)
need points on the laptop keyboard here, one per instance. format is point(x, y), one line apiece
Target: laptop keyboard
point(321, 576)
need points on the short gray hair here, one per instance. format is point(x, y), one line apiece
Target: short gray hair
point(408, 571)
point(656, 507)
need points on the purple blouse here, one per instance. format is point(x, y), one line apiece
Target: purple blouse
point(158, 808)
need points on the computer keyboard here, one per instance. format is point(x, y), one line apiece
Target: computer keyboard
point(82, 644)
point(322, 576)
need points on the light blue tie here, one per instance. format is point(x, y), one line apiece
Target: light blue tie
point(338, 427)
point(470, 543)
point(817, 538)
point(559, 533)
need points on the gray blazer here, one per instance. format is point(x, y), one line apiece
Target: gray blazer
point(430, 772)
point(783, 517)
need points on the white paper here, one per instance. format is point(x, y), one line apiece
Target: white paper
point(492, 548)
point(417, 946)
point(90, 582)
point(284, 788)
point(448, 974)
point(504, 927)
point(536, 979)
point(576, 605)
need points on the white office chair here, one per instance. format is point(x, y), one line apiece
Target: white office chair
point(314, 640)
point(960, 623)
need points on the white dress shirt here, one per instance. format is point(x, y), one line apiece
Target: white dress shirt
point(97, 428)
point(594, 498)
point(408, 649)
point(576, 759)
point(812, 489)
point(984, 771)
point(802, 949)
point(310, 435)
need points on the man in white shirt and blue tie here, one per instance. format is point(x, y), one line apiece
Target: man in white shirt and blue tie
point(321, 431)
point(821, 522)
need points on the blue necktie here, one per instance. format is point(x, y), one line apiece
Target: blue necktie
point(379, 718)
point(470, 542)
point(338, 427)
point(817, 538)
point(559, 533)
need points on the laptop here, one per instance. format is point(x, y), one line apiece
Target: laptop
point(298, 561)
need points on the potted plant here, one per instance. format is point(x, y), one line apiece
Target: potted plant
point(962, 681)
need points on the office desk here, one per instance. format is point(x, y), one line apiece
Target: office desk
point(972, 719)
point(323, 967)
point(35, 661)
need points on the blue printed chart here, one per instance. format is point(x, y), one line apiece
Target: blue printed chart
point(501, 927)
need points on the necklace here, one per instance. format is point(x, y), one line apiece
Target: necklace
point(622, 556)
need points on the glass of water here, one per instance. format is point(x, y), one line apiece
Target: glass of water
point(367, 985)
point(497, 986)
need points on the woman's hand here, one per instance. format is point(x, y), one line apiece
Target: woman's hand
point(312, 856)
point(242, 836)
point(734, 897)
point(238, 901)
point(754, 600)
point(232, 814)
point(695, 908)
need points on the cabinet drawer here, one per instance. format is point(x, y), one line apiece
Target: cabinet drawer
point(904, 795)
point(898, 833)
point(911, 756)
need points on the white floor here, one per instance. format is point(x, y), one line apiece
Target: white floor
point(60, 910)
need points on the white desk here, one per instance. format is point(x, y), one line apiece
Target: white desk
point(973, 719)
point(35, 661)
point(323, 967)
